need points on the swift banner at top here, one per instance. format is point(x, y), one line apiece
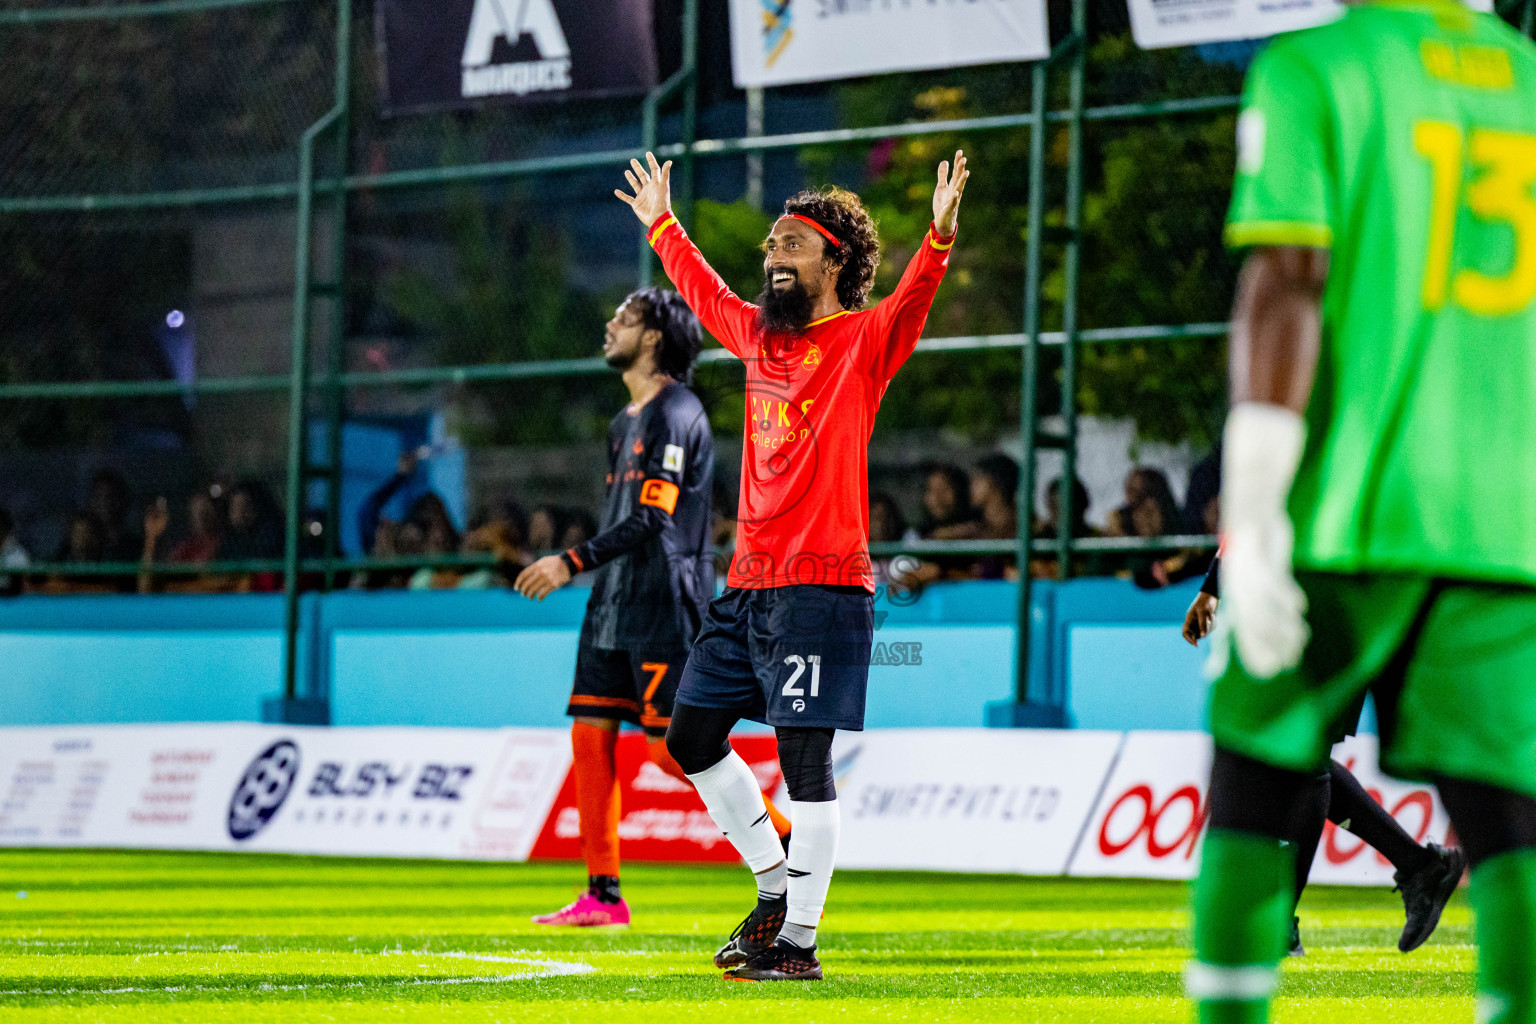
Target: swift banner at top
point(776, 42)
point(441, 54)
point(1161, 23)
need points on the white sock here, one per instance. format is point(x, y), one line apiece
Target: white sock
point(812, 852)
point(730, 794)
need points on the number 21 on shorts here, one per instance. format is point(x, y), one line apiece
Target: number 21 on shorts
point(1501, 193)
point(792, 687)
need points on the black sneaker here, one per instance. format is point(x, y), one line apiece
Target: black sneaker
point(1296, 948)
point(782, 961)
point(1426, 892)
point(755, 934)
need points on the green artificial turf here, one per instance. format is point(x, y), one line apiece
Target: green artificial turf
point(130, 936)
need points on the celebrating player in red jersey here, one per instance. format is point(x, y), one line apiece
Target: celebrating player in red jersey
point(788, 643)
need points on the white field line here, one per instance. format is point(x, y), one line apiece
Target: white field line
point(542, 969)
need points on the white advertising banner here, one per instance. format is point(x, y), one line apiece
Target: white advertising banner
point(1151, 817)
point(1160, 23)
point(776, 42)
point(282, 789)
point(967, 799)
point(1027, 801)
point(1150, 822)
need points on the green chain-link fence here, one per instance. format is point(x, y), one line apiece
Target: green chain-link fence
point(220, 257)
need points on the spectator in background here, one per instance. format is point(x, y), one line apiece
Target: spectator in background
point(391, 541)
point(946, 502)
point(82, 545)
point(544, 529)
point(497, 538)
point(13, 556)
point(580, 527)
point(205, 530)
point(994, 485)
point(108, 504)
point(1201, 514)
point(947, 515)
point(1051, 525)
point(430, 514)
point(428, 511)
point(1049, 529)
point(1204, 494)
point(1149, 509)
point(255, 532)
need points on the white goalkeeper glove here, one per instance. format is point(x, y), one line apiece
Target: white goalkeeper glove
point(1264, 608)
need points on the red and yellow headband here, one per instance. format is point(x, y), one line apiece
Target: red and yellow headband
point(823, 231)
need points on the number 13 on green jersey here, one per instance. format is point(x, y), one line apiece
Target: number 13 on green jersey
point(1402, 137)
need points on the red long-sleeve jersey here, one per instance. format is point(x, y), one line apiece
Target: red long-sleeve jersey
point(811, 403)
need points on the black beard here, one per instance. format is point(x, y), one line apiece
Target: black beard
point(622, 361)
point(784, 312)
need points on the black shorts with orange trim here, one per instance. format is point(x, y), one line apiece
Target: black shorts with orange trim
point(632, 686)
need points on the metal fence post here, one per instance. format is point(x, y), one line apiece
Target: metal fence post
point(298, 370)
point(1072, 237)
point(1025, 503)
point(650, 113)
point(335, 391)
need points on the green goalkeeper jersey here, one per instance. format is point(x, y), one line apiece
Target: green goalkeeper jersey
point(1403, 138)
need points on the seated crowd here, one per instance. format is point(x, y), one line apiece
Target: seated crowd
point(243, 522)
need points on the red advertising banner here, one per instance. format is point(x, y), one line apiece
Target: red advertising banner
point(660, 818)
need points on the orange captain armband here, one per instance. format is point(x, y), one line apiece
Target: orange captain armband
point(660, 493)
point(661, 225)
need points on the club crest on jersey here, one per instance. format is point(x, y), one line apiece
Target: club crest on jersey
point(812, 358)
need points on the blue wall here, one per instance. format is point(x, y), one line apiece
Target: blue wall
point(493, 658)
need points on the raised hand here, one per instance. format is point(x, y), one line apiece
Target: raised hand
point(946, 196)
point(653, 189)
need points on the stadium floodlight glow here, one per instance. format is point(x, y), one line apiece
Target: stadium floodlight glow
point(174, 319)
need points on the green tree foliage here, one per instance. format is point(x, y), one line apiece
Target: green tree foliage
point(504, 296)
point(1155, 194)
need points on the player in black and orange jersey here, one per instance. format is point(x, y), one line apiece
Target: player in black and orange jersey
point(1426, 875)
point(654, 574)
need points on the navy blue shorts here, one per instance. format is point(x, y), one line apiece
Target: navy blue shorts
point(796, 656)
point(631, 686)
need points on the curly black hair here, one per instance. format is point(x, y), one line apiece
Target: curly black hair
point(858, 250)
point(681, 335)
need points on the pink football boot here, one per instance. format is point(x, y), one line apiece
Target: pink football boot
point(588, 912)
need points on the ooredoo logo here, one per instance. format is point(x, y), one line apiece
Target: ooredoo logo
point(1167, 825)
point(262, 789)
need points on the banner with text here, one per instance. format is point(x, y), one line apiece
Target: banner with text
point(1160, 23)
point(1025, 801)
point(776, 42)
point(1009, 800)
point(442, 54)
point(1150, 821)
point(482, 793)
point(660, 818)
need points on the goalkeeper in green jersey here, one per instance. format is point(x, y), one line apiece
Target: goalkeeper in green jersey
point(1379, 471)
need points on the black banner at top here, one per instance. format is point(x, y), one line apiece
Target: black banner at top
point(445, 54)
